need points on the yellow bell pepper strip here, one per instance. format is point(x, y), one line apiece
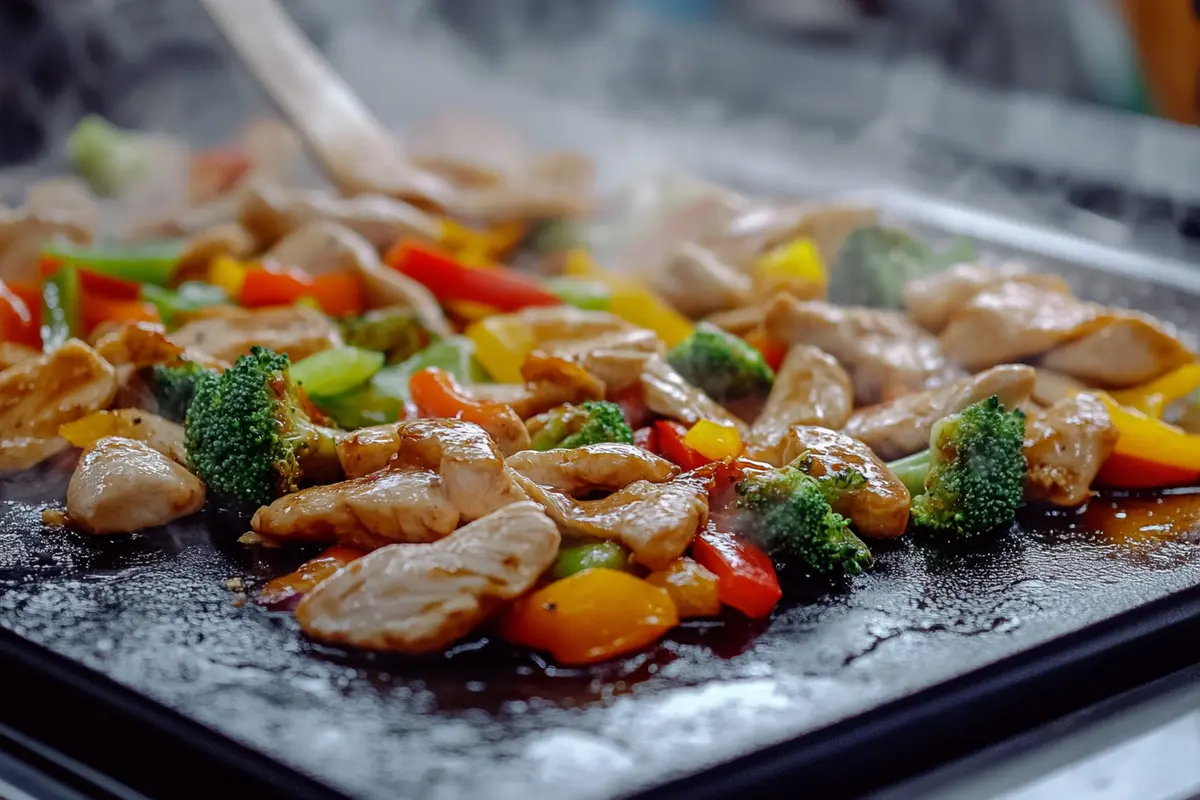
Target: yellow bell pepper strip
point(693, 588)
point(229, 274)
point(501, 344)
point(153, 262)
point(1149, 452)
point(631, 301)
point(1153, 397)
point(471, 244)
point(591, 616)
point(797, 261)
point(714, 440)
point(450, 280)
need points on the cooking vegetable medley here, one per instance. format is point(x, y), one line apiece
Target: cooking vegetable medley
point(497, 426)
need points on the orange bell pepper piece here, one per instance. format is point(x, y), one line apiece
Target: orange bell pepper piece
point(341, 294)
point(284, 592)
point(773, 352)
point(591, 616)
point(1148, 450)
point(692, 587)
point(97, 309)
point(436, 394)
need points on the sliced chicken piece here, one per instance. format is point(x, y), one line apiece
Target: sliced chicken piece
point(297, 331)
point(810, 388)
point(637, 340)
point(40, 394)
point(138, 344)
point(667, 394)
point(617, 369)
point(739, 321)
point(592, 468)
point(228, 239)
point(550, 382)
point(1122, 349)
point(556, 330)
point(12, 354)
point(129, 423)
point(1050, 387)
point(656, 521)
point(461, 452)
point(270, 213)
point(421, 598)
point(932, 300)
point(18, 453)
point(1065, 448)
point(389, 506)
point(122, 486)
point(323, 246)
point(884, 353)
point(696, 282)
point(24, 232)
point(902, 427)
point(1012, 322)
point(762, 228)
point(878, 509)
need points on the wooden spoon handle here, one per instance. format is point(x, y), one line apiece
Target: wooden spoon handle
point(355, 149)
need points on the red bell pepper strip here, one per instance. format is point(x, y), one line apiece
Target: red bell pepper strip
point(773, 351)
point(341, 294)
point(647, 439)
point(18, 321)
point(1124, 471)
point(632, 401)
point(746, 578)
point(274, 285)
point(670, 443)
point(96, 309)
point(449, 280)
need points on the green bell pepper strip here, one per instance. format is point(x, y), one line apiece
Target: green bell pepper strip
point(382, 399)
point(581, 293)
point(189, 296)
point(330, 373)
point(153, 262)
point(396, 331)
point(61, 318)
point(593, 555)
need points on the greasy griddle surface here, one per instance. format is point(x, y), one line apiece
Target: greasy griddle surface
point(152, 611)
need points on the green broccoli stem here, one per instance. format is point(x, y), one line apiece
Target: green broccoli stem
point(912, 470)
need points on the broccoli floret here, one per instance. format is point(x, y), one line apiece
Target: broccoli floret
point(793, 520)
point(569, 426)
point(875, 263)
point(721, 364)
point(247, 436)
point(972, 477)
point(175, 385)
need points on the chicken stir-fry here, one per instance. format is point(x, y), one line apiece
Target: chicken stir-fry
point(578, 454)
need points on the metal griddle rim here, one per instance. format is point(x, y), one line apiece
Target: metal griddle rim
point(119, 732)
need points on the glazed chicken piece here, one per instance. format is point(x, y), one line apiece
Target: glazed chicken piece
point(880, 508)
point(323, 246)
point(1012, 322)
point(228, 239)
point(1122, 349)
point(902, 427)
point(696, 282)
point(810, 388)
point(759, 229)
point(297, 331)
point(550, 382)
point(591, 468)
point(1050, 387)
point(656, 521)
point(462, 453)
point(1065, 447)
point(129, 423)
point(40, 394)
point(421, 598)
point(24, 232)
point(559, 330)
point(12, 354)
point(739, 321)
point(122, 486)
point(884, 353)
point(270, 213)
point(931, 301)
point(667, 394)
point(392, 505)
point(137, 344)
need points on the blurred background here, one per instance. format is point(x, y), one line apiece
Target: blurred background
point(1074, 113)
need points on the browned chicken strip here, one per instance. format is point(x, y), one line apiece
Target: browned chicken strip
point(1065, 447)
point(122, 486)
point(810, 388)
point(550, 382)
point(696, 282)
point(385, 507)
point(138, 344)
point(878, 509)
point(1012, 322)
point(1122, 349)
point(902, 427)
point(884, 353)
point(667, 394)
point(1050, 387)
point(932, 300)
point(420, 598)
point(591, 468)
point(656, 521)
point(40, 394)
point(297, 331)
point(461, 452)
point(12, 354)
